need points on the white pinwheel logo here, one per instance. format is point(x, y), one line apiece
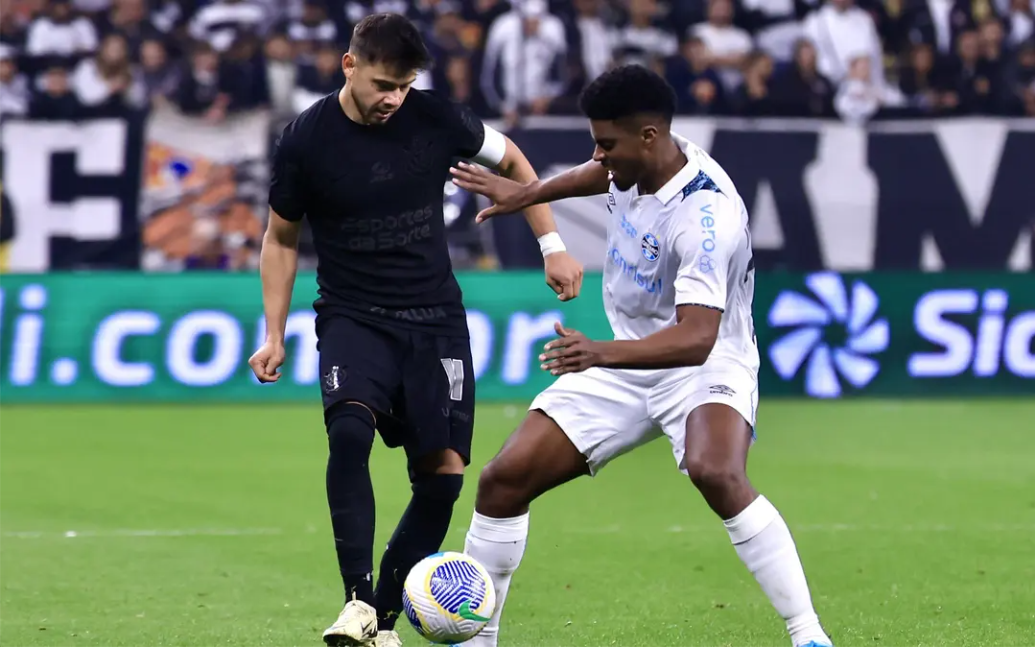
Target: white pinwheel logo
point(833, 332)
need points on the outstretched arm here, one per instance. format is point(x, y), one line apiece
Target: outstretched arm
point(563, 272)
point(508, 196)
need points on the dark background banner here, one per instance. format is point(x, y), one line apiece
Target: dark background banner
point(925, 195)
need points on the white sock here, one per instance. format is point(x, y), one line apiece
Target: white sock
point(765, 545)
point(498, 544)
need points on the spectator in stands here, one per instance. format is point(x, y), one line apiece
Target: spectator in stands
point(312, 29)
point(527, 44)
point(319, 78)
point(281, 75)
point(1021, 94)
point(130, 19)
point(1020, 19)
point(168, 15)
point(926, 83)
point(977, 86)
point(460, 78)
point(14, 87)
point(93, 9)
point(727, 45)
point(54, 99)
point(840, 31)
point(107, 82)
point(800, 90)
point(485, 12)
point(938, 22)
point(452, 45)
point(754, 98)
point(60, 33)
point(860, 97)
point(592, 42)
point(242, 74)
point(644, 40)
point(776, 25)
point(13, 28)
point(220, 23)
point(200, 91)
point(159, 75)
point(699, 90)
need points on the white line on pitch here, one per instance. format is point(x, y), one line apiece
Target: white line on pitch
point(127, 532)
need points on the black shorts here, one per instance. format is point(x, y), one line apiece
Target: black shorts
point(419, 385)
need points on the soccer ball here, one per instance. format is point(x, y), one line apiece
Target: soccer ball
point(448, 597)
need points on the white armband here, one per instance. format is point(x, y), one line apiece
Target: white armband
point(494, 147)
point(551, 243)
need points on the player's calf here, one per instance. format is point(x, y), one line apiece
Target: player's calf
point(350, 496)
point(536, 458)
point(420, 532)
point(717, 442)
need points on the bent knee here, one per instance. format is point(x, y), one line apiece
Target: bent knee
point(443, 488)
point(715, 477)
point(350, 430)
point(502, 484)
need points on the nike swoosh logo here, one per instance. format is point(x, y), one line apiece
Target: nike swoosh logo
point(466, 613)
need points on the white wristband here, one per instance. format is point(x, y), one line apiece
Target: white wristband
point(551, 243)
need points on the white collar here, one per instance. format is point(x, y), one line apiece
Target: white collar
point(683, 177)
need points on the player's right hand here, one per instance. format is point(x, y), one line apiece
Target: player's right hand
point(507, 195)
point(267, 360)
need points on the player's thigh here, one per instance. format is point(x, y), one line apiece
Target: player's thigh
point(436, 407)
point(603, 413)
point(708, 415)
point(358, 363)
point(535, 459)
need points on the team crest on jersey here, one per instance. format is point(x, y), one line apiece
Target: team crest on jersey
point(334, 379)
point(651, 248)
point(611, 202)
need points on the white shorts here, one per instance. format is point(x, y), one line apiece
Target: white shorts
point(608, 412)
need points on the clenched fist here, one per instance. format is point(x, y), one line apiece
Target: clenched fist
point(267, 360)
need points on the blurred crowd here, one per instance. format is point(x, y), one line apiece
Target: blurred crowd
point(853, 59)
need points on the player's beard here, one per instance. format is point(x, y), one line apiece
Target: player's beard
point(372, 113)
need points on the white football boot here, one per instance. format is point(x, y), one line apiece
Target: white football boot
point(388, 639)
point(356, 626)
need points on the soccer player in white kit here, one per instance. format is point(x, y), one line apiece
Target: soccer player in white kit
point(678, 286)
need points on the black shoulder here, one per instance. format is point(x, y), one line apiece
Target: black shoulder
point(304, 126)
point(432, 105)
point(466, 130)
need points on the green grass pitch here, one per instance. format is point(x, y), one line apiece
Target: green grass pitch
point(208, 526)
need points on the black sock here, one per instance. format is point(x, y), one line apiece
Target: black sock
point(420, 533)
point(350, 494)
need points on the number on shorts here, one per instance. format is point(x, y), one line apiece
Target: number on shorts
point(455, 374)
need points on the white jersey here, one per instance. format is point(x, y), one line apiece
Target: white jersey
point(687, 244)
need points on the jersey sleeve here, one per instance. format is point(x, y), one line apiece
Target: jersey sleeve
point(466, 131)
point(286, 185)
point(709, 231)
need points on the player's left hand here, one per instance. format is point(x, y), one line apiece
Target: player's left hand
point(572, 353)
point(563, 275)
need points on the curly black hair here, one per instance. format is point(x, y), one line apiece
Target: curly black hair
point(390, 39)
point(627, 91)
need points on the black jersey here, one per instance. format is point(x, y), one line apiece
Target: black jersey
point(373, 197)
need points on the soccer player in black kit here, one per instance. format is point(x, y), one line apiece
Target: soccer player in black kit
point(367, 166)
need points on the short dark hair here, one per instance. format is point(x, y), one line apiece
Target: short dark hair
point(627, 91)
point(390, 39)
